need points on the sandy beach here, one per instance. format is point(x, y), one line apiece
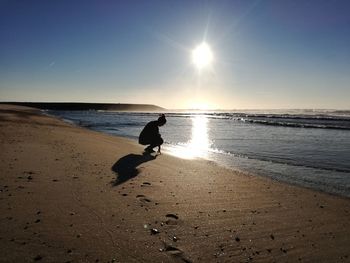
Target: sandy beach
point(68, 194)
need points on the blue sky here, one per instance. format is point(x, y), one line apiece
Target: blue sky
point(267, 54)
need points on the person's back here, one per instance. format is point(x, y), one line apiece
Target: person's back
point(150, 134)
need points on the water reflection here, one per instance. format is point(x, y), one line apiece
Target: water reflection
point(198, 145)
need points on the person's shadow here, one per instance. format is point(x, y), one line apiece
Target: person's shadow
point(126, 167)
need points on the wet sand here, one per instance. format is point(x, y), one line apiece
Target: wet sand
point(68, 194)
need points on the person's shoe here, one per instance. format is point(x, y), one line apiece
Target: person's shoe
point(149, 150)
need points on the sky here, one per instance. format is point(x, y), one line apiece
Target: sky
point(267, 54)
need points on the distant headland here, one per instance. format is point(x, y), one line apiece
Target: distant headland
point(87, 106)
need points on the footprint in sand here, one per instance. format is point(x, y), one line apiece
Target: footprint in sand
point(143, 199)
point(145, 184)
point(171, 219)
point(172, 216)
point(175, 252)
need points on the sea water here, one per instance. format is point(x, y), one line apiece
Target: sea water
point(306, 148)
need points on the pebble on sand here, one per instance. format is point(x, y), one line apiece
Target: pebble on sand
point(154, 231)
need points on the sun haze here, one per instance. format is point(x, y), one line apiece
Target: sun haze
point(202, 56)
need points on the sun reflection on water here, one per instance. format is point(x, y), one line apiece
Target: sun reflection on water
point(199, 144)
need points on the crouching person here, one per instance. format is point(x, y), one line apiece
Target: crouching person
point(150, 134)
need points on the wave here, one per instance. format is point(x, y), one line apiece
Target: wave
point(270, 159)
point(108, 125)
point(286, 123)
point(319, 121)
point(281, 161)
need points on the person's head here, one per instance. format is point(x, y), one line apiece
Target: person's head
point(161, 120)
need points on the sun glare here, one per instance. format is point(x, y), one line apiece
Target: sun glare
point(199, 145)
point(202, 56)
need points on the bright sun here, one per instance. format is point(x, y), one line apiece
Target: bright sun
point(202, 56)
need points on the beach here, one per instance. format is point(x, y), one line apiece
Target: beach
point(68, 194)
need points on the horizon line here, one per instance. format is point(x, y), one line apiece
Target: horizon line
point(174, 109)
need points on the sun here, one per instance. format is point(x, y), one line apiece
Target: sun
point(202, 56)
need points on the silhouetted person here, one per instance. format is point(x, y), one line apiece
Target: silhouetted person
point(150, 134)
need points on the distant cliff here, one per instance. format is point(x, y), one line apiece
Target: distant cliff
point(88, 106)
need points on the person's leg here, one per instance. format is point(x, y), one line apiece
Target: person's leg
point(144, 141)
point(157, 142)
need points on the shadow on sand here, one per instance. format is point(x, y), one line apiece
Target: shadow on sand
point(126, 167)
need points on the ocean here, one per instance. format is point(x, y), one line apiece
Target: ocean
point(309, 148)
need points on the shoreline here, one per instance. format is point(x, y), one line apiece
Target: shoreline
point(73, 194)
point(333, 189)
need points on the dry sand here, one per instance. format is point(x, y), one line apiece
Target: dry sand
point(68, 194)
